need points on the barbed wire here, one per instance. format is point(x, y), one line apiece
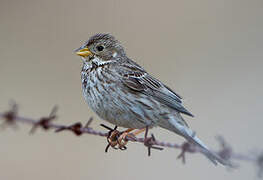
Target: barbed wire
point(11, 118)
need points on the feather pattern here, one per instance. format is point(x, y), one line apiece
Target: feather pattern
point(139, 80)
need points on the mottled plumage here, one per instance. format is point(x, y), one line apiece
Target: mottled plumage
point(124, 94)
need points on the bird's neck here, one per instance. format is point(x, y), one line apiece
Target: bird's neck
point(94, 63)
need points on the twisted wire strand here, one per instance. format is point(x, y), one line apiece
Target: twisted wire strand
point(11, 118)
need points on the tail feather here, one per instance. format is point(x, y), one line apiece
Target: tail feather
point(179, 126)
point(213, 157)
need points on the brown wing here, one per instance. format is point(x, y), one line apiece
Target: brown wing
point(139, 80)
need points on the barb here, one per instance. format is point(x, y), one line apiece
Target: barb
point(45, 121)
point(11, 118)
point(112, 138)
point(186, 147)
point(150, 141)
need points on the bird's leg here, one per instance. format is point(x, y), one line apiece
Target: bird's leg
point(116, 137)
point(148, 141)
point(122, 141)
point(138, 131)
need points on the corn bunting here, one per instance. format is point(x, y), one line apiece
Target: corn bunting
point(121, 92)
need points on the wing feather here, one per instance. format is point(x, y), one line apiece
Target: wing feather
point(139, 80)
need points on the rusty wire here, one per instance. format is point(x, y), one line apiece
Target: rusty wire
point(226, 152)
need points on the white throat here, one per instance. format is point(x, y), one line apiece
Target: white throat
point(96, 61)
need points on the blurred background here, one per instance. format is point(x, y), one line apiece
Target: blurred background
point(210, 52)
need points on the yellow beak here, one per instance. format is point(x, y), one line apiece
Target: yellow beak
point(84, 52)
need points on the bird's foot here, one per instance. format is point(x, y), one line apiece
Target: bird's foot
point(125, 135)
point(117, 138)
point(112, 137)
point(120, 139)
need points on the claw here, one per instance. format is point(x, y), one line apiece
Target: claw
point(122, 140)
point(112, 137)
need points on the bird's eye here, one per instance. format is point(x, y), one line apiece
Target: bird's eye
point(100, 48)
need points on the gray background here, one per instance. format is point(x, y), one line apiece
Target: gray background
point(210, 52)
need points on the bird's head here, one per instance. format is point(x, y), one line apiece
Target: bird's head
point(102, 46)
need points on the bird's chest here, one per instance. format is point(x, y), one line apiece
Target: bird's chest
point(99, 90)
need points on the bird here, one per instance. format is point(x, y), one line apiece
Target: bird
point(121, 92)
